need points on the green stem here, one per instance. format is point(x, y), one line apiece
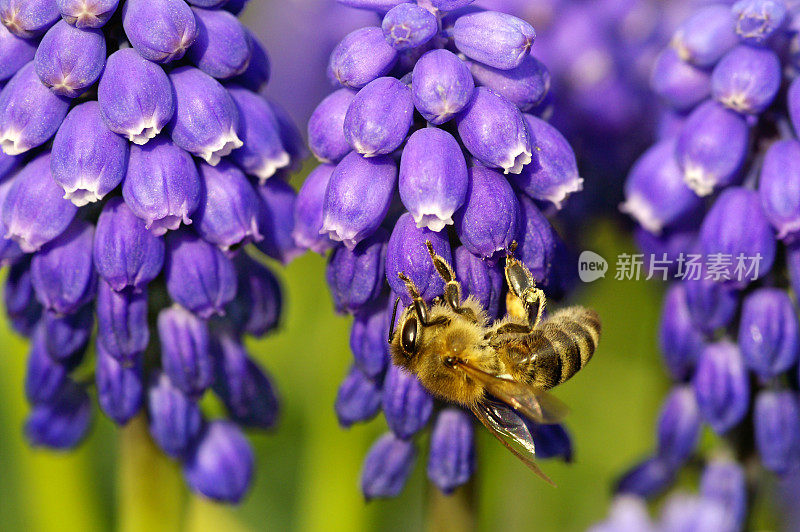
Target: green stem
point(150, 487)
point(454, 512)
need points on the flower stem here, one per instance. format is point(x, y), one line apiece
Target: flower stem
point(151, 494)
point(454, 512)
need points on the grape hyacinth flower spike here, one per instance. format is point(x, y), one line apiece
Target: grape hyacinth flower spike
point(729, 329)
point(133, 150)
point(424, 142)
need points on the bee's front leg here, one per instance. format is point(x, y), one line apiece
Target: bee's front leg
point(522, 285)
point(452, 288)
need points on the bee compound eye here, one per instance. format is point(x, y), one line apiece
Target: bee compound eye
point(408, 337)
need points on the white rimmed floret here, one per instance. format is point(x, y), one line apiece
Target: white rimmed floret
point(559, 194)
point(642, 211)
point(145, 130)
point(433, 217)
point(517, 159)
point(222, 147)
point(83, 192)
point(697, 179)
point(12, 143)
point(270, 165)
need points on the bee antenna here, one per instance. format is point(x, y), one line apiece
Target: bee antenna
point(394, 315)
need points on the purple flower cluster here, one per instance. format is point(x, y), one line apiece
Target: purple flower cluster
point(722, 183)
point(137, 160)
point(432, 137)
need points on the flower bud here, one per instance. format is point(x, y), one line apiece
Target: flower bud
point(135, 96)
point(358, 197)
point(407, 405)
point(553, 176)
point(122, 329)
point(628, 513)
point(358, 398)
point(61, 423)
point(258, 70)
point(712, 147)
point(407, 253)
point(711, 305)
point(479, 279)
point(356, 277)
point(126, 254)
point(680, 342)
point(409, 26)
point(656, 195)
point(362, 56)
point(221, 466)
point(82, 14)
point(488, 221)
point(735, 226)
point(493, 38)
point(185, 354)
point(162, 186)
point(34, 211)
point(776, 423)
point(326, 127)
point(199, 276)
point(29, 112)
point(222, 46)
point(679, 425)
point(19, 299)
point(433, 177)
point(747, 79)
point(721, 386)
point(15, 52)
point(442, 86)
point(276, 219)
point(44, 377)
point(680, 84)
point(263, 153)
point(494, 131)
point(160, 30)
point(703, 38)
point(175, 420)
point(87, 159)
point(368, 339)
point(243, 387)
point(387, 467)
point(308, 211)
point(379, 117)
point(257, 307)
point(758, 20)
point(63, 271)
point(723, 482)
point(768, 332)
point(780, 198)
point(66, 336)
point(526, 86)
point(380, 6)
point(119, 387)
point(536, 240)
point(451, 459)
point(552, 441)
point(647, 479)
point(69, 60)
point(206, 119)
point(687, 512)
point(229, 207)
point(28, 18)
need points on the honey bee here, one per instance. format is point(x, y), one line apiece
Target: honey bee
point(501, 369)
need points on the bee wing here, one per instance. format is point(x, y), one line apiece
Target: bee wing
point(534, 403)
point(510, 430)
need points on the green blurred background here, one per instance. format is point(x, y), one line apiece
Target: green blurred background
point(308, 469)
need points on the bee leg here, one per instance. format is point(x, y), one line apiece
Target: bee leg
point(452, 288)
point(420, 307)
point(521, 284)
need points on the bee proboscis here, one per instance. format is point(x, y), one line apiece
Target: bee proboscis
point(498, 369)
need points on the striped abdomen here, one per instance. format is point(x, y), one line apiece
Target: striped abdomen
point(558, 348)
